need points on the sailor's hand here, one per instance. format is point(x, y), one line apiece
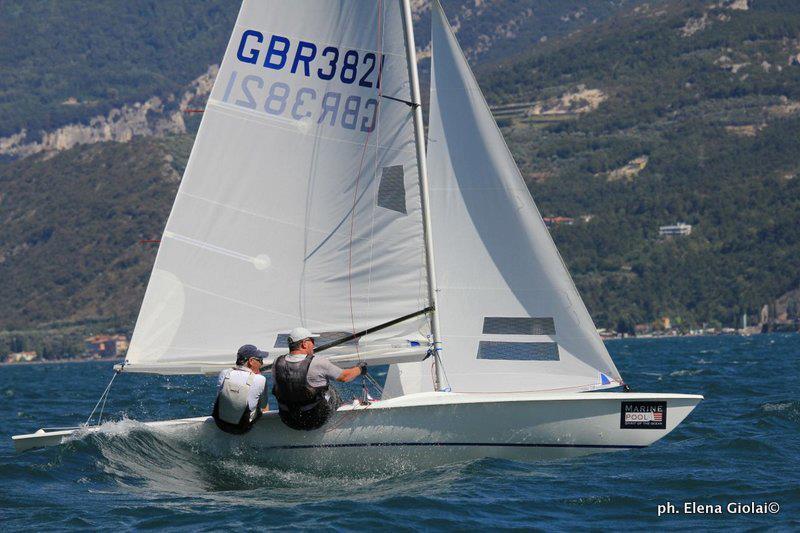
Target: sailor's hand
point(265, 410)
point(363, 367)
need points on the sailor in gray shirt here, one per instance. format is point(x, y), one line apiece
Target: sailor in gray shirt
point(319, 371)
point(301, 382)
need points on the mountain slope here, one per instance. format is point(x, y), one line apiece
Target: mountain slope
point(700, 123)
point(65, 62)
point(674, 111)
point(68, 62)
point(72, 225)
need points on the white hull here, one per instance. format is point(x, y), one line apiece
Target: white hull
point(430, 429)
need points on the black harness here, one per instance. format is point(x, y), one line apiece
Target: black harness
point(291, 386)
point(300, 405)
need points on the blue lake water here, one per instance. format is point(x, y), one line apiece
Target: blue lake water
point(740, 445)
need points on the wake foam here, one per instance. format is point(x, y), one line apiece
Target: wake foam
point(159, 462)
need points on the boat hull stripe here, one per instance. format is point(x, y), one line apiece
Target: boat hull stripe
point(487, 444)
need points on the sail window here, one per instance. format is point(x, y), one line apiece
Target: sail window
point(499, 325)
point(392, 189)
point(324, 338)
point(518, 351)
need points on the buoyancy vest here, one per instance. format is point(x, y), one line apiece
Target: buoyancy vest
point(291, 387)
point(231, 410)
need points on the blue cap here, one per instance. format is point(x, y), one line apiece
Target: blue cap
point(248, 351)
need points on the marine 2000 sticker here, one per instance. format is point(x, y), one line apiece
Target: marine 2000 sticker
point(643, 415)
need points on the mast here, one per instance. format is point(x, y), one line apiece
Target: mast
point(411, 55)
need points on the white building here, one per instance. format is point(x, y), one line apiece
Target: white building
point(21, 357)
point(679, 229)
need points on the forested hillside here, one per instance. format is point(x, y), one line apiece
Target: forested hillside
point(669, 111)
point(66, 61)
point(707, 101)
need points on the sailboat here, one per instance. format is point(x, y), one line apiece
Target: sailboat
point(309, 199)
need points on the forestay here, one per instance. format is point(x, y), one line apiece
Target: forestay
point(300, 202)
point(511, 318)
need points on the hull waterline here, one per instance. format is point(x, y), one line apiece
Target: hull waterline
point(429, 429)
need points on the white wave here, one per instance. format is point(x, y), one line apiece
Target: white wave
point(678, 373)
point(119, 428)
point(772, 407)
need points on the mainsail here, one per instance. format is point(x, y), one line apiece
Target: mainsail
point(511, 317)
point(300, 203)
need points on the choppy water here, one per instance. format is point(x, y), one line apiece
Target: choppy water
point(740, 445)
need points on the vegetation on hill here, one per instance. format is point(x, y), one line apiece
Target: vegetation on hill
point(70, 249)
point(67, 61)
point(699, 122)
point(715, 114)
point(494, 30)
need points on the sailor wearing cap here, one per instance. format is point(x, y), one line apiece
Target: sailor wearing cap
point(301, 382)
point(240, 392)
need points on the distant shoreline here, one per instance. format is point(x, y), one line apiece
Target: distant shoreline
point(604, 339)
point(60, 361)
point(687, 336)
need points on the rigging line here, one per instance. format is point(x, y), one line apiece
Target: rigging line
point(348, 416)
point(365, 391)
point(444, 372)
point(375, 384)
point(102, 408)
point(358, 177)
point(341, 418)
point(409, 104)
point(375, 165)
point(103, 397)
point(443, 369)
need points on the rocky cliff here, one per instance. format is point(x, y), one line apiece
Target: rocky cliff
point(155, 117)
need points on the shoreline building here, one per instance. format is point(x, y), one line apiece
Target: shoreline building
point(106, 345)
point(679, 229)
point(551, 222)
point(22, 357)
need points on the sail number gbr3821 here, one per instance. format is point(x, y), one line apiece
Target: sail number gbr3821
point(306, 60)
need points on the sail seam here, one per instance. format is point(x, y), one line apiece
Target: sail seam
point(259, 215)
point(248, 115)
point(235, 300)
